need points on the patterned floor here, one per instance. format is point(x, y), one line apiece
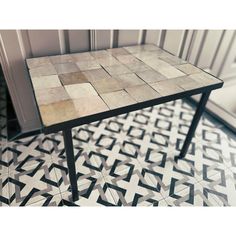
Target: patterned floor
point(128, 160)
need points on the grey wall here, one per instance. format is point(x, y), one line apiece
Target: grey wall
point(212, 50)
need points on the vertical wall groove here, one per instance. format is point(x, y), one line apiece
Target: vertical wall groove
point(162, 38)
point(201, 47)
point(183, 43)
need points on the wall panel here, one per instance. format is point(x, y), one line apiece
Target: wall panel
point(128, 37)
point(44, 42)
point(79, 40)
point(173, 41)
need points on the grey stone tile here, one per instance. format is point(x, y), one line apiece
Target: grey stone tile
point(42, 71)
point(188, 69)
point(166, 87)
point(127, 59)
point(106, 85)
point(117, 51)
point(117, 70)
point(60, 59)
point(151, 76)
point(142, 93)
point(97, 74)
point(117, 99)
point(84, 56)
point(38, 62)
point(66, 68)
point(129, 80)
point(88, 65)
point(137, 66)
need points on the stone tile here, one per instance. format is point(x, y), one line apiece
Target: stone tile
point(129, 80)
point(117, 70)
point(126, 59)
point(44, 82)
point(137, 66)
point(188, 69)
point(42, 71)
point(61, 59)
point(107, 61)
point(166, 87)
point(88, 65)
point(51, 95)
point(142, 93)
point(151, 76)
point(172, 60)
point(58, 112)
point(117, 51)
point(204, 79)
point(100, 53)
point(139, 48)
point(106, 85)
point(95, 75)
point(117, 99)
point(89, 105)
point(80, 90)
point(156, 63)
point(169, 72)
point(66, 68)
point(186, 83)
point(85, 56)
point(73, 78)
point(38, 62)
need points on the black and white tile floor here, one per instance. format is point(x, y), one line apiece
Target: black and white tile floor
point(129, 160)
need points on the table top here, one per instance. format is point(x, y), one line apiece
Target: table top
point(79, 85)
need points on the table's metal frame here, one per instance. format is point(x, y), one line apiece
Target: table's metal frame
point(66, 126)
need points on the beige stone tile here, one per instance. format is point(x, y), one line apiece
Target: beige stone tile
point(66, 68)
point(106, 85)
point(38, 62)
point(73, 78)
point(166, 87)
point(117, 99)
point(138, 48)
point(61, 59)
point(97, 74)
point(107, 61)
point(117, 70)
point(76, 91)
point(142, 93)
point(169, 72)
point(151, 76)
point(129, 80)
point(88, 65)
point(42, 70)
point(186, 83)
point(89, 106)
point(84, 56)
point(99, 53)
point(117, 51)
point(125, 59)
point(172, 60)
point(42, 82)
point(58, 112)
point(188, 69)
point(137, 66)
point(51, 95)
point(204, 79)
point(156, 63)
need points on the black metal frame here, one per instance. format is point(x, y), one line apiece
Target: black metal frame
point(68, 125)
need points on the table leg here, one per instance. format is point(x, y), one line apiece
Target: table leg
point(68, 143)
point(196, 118)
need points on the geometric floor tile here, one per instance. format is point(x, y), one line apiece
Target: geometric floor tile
point(127, 160)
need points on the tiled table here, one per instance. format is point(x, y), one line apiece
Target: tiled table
point(80, 88)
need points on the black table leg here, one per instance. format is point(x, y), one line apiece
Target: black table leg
point(196, 118)
point(68, 143)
